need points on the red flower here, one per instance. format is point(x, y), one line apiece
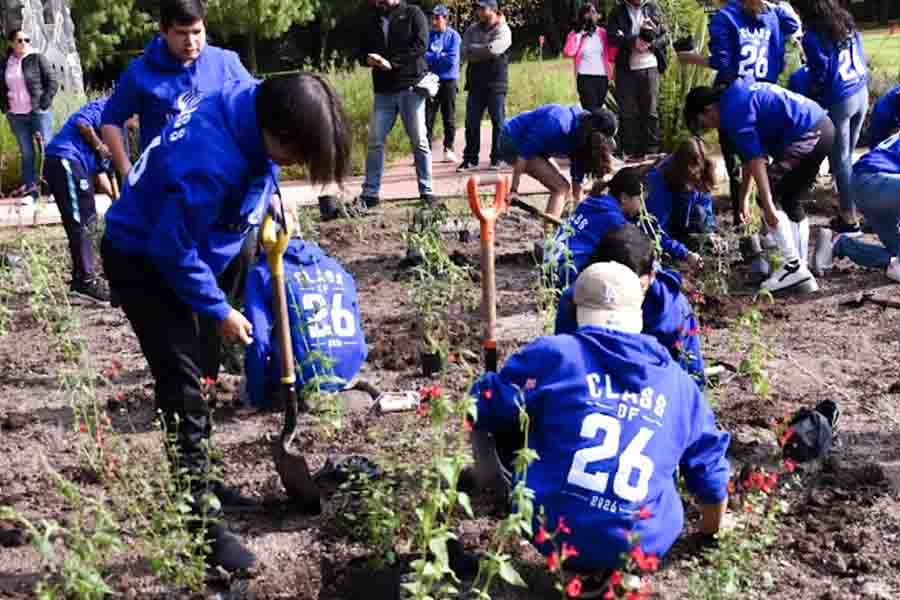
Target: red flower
point(789, 465)
point(568, 551)
point(651, 563)
point(678, 345)
point(541, 536)
point(637, 554)
point(731, 487)
point(467, 425)
point(561, 526)
point(541, 40)
point(615, 578)
point(553, 562)
point(644, 513)
point(120, 396)
point(786, 436)
point(487, 394)
point(706, 329)
point(610, 594)
point(422, 409)
point(694, 331)
point(206, 382)
point(83, 428)
point(573, 590)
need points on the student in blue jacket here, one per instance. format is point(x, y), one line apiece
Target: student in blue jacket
point(765, 120)
point(668, 315)
point(885, 120)
point(442, 57)
point(593, 218)
point(838, 82)
point(75, 156)
point(326, 328)
point(678, 198)
point(747, 39)
point(799, 82)
point(185, 210)
point(612, 417)
point(529, 140)
point(176, 60)
point(876, 181)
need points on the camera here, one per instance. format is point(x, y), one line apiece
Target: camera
point(685, 44)
point(648, 35)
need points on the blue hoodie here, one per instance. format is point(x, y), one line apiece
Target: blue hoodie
point(741, 45)
point(668, 317)
point(763, 119)
point(70, 144)
point(884, 158)
point(837, 71)
point(442, 55)
point(799, 82)
point(574, 243)
point(151, 84)
point(678, 214)
point(885, 116)
point(324, 319)
point(549, 130)
point(194, 194)
point(612, 418)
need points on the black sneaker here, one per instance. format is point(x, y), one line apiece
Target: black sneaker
point(368, 201)
point(831, 411)
point(838, 225)
point(232, 500)
point(93, 289)
point(227, 551)
point(466, 166)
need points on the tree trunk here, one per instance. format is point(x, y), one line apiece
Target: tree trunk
point(251, 52)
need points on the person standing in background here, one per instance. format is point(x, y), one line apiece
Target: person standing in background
point(27, 90)
point(592, 58)
point(486, 49)
point(443, 60)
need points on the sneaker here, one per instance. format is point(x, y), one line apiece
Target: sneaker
point(227, 551)
point(26, 200)
point(450, 156)
point(498, 165)
point(367, 201)
point(232, 500)
point(759, 270)
point(791, 276)
point(823, 259)
point(893, 270)
point(839, 225)
point(831, 411)
point(93, 289)
point(466, 166)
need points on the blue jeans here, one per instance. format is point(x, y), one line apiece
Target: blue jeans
point(848, 116)
point(476, 103)
point(878, 195)
point(24, 127)
point(410, 106)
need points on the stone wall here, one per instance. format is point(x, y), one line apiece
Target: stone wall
point(49, 25)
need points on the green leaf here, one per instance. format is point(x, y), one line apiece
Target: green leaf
point(466, 503)
point(509, 574)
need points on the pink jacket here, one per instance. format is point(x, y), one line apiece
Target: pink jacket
point(572, 49)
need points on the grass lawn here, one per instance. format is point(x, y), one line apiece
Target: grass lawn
point(882, 49)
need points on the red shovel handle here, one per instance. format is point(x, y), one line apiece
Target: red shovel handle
point(487, 217)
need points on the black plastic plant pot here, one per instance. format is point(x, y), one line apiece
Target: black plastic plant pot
point(465, 235)
point(328, 207)
point(431, 363)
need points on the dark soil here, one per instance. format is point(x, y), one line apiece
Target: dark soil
point(840, 533)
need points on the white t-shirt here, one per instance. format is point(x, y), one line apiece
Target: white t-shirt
point(639, 60)
point(592, 61)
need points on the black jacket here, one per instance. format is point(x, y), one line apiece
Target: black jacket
point(618, 31)
point(40, 80)
point(404, 48)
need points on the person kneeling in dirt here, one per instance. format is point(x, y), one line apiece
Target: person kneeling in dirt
point(876, 184)
point(186, 208)
point(529, 140)
point(612, 418)
point(764, 120)
point(885, 120)
point(667, 314)
point(326, 328)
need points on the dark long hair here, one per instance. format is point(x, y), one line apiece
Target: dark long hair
point(689, 168)
point(583, 24)
point(827, 18)
point(595, 141)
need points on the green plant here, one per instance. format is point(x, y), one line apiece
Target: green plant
point(756, 353)
point(377, 519)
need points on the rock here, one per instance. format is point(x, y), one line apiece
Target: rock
point(13, 422)
point(860, 565)
point(11, 536)
point(876, 591)
point(848, 544)
point(836, 563)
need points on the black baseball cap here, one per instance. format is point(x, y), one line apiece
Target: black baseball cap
point(604, 121)
point(696, 102)
point(626, 181)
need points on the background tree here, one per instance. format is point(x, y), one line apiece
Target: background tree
point(259, 19)
point(103, 27)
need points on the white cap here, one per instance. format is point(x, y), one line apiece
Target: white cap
point(609, 295)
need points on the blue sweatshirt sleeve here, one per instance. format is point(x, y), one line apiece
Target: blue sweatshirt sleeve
point(691, 355)
point(125, 100)
point(704, 464)
point(816, 62)
point(190, 197)
point(499, 394)
point(721, 44)
point(671, 246)
point(236, 69)
point(659, 204)
point(256, 307)
point(742, 130)
point(565, 313)
point(788, 20)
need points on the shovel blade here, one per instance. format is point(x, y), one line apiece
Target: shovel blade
point(297, 480)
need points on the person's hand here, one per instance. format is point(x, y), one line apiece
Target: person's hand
point(236, 327)
point(103, 184)
point(377, 61)
point(103, 150)
point(746, 213)
point(694, 261)
point(641, 46)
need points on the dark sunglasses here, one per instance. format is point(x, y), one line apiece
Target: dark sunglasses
point(23, 40)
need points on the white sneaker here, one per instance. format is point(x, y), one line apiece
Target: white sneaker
point(823, 259)
point(893, 270)
point(450, 156)
point(26, 200)
point(791, 276)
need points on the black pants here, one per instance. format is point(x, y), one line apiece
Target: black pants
point(793, 173)
point(445, 101)
point(592, 91)
point(73, 191)
point(180, 346)
point(729, 153)
point(476, 103)
point(637, 93)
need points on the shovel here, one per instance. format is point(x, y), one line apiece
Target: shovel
point(515, 200)
point(291, 467)
point(487, 217)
